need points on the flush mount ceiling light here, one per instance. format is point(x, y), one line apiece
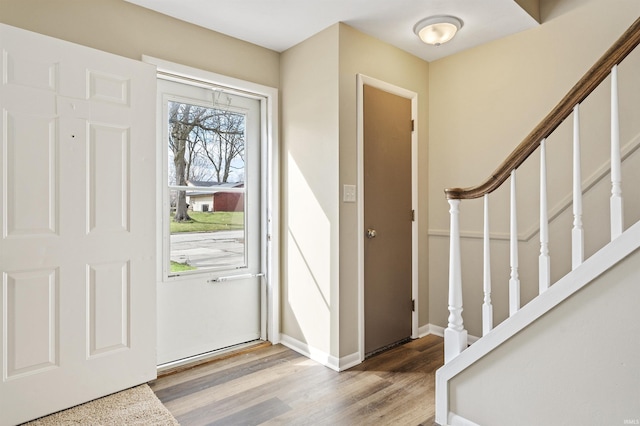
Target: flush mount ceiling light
point(436, 30)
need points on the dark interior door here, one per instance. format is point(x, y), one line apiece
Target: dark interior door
point(387, 218)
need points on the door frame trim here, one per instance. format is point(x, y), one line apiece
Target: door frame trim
point(363, 80)
point(270, 195)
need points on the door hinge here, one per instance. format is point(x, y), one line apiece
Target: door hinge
point(413, 305)
point(413, 125)
point(413, 215)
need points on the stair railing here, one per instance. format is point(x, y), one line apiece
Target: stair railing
point(455, 335)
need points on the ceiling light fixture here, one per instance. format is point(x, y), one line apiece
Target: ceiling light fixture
point(436, 30)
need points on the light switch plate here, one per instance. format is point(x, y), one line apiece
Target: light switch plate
point(349, 194)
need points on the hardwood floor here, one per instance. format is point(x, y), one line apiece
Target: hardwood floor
point(276, 386)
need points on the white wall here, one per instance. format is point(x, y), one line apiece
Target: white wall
point(576, 365)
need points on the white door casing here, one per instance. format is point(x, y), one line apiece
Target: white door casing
point(387, 215)
point(77, 249)
point(269, 194)
point(361, 81)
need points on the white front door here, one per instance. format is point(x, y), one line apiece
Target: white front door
point(77, 247)
point(211, 293)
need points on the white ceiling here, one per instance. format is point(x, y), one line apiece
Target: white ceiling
point(281, 24)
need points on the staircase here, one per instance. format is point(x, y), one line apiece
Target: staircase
point(523, 371)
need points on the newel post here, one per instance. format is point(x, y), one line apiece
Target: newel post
point(455, 336)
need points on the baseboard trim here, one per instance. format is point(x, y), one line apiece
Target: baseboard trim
point(310, 352)
point(435, 329)
point(456, 420)
point(424, 330)
point(439, 331)
point(351, 360)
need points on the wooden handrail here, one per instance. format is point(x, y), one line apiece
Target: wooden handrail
point(587, 84)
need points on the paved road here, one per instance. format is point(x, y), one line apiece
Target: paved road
point(208, 249)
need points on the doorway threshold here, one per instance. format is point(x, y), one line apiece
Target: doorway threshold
point(212, 356)
point(387, 347)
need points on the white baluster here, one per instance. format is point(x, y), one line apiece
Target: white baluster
point(544, 262)
point(577, 233)
point(514, 281)
point(455, 336)
point(487, 308)
point(616, 164)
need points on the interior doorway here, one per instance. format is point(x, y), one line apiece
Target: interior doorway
point(388, 211)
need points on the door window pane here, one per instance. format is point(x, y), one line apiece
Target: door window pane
point(206, 183)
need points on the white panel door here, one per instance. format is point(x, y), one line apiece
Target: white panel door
point(77, 181)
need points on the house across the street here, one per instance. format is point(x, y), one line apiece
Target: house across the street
point(217, 198)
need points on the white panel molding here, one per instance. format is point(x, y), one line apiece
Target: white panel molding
point(102, 181)
point(23, 71)
point(17, 203)
point(108, 88)
point(581, 276)
point(108, 321)
point(525, 236)
point(30, 290)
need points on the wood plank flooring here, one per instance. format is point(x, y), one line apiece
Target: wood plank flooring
point(276, 386)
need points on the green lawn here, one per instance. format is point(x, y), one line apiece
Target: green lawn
point(209, 222)
point(179, 267)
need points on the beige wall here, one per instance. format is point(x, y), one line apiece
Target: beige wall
point(483, 102)
point(362, 54)
point(568, 367)
point(128, 30)
point(474, 107)
point(319, 154)
point(318, 80)
point(310, 226)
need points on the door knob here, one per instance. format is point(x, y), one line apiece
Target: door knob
point(371, 233)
